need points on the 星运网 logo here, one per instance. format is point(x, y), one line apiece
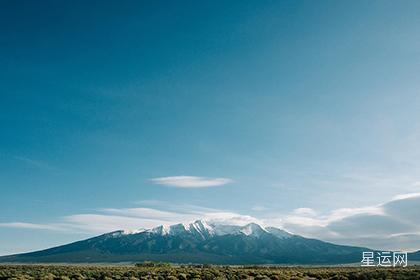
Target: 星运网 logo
point(384, 259)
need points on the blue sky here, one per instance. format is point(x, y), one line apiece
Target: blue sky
point(127, 114)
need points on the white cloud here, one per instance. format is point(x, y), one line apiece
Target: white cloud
point(191, 181)
point(142, 212)
point(342, 213)
point(30, 226)
point(304, 212)
point(100, 223)
point(405, 196)
point(35, 163)
point(308, 216)
point(303, 221)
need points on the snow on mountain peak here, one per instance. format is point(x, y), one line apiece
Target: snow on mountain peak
point(253, 229)
point(177, 229)
point(201, 228)
point(119, 233)
point(161, 230)
point(133, 231)
point(206, 229)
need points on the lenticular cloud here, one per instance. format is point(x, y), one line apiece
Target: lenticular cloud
point(191, 181)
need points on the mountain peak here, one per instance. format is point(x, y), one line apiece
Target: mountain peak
point(253, 229)
point(202, 228)
point(178, 229)
point(160, 230)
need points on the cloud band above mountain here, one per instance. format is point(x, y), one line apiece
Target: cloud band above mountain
point(392, 225)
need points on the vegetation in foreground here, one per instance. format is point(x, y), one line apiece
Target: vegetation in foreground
point(61, 272)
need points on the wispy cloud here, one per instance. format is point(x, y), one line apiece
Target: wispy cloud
point(191, 181)
point(35, 163)
point(23, 225)
point(406, 196)
point(142, 212)
point(308, 217)
point(304, 212)
point(102, 223)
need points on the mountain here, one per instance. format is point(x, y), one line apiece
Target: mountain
point(414, 256)
point(197, 242)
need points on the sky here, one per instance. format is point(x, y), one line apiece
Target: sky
point(130, 114)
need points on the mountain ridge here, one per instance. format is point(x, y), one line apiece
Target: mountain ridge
point(197, 242)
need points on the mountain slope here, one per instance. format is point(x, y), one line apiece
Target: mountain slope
point(414, 256)
point(198, 242)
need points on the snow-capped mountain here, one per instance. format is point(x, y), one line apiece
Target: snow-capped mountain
point(201, 228)
point(198, 242)
point(205, 230)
